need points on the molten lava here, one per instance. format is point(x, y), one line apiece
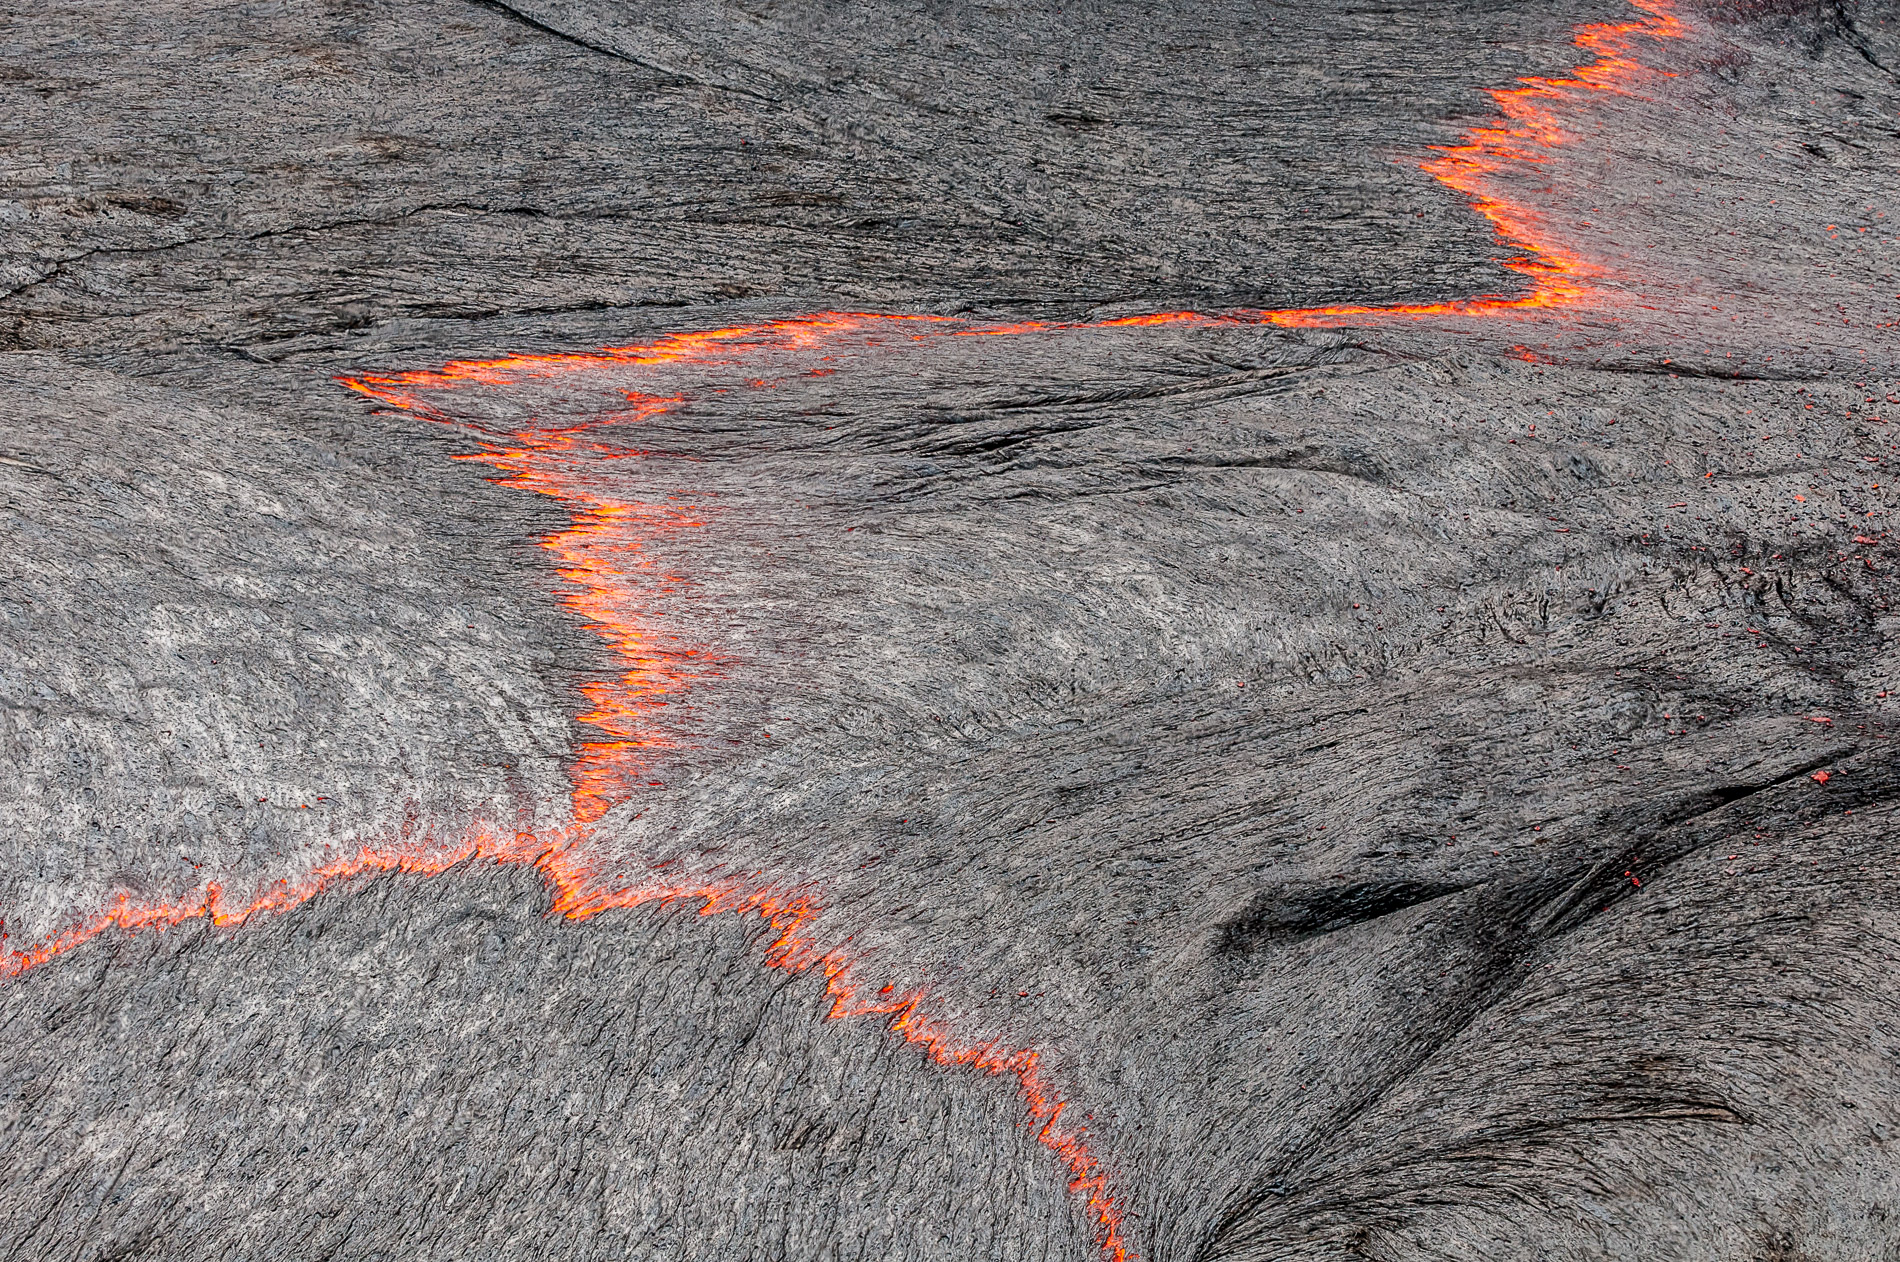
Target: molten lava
point(577, 896)
point(605, 556)
point(1524, 139)
point(609, 559)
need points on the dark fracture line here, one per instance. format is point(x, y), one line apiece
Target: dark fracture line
point(678, 76)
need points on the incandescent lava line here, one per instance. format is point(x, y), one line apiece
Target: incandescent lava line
point(606, 558)
point(577, 896)
point(600, 555)
point(1525, 137)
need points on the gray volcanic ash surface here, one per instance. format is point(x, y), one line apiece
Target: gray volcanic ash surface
point(908, 757)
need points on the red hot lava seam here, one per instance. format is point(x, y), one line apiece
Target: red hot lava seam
point(606, 545)
point(608, 534)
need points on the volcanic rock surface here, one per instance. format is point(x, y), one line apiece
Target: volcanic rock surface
point(713, 631)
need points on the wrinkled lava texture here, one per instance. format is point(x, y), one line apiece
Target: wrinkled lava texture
point(713, 631)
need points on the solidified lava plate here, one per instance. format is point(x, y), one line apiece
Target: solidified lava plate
point(697, 631)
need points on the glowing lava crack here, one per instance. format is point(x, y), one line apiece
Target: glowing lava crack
point(606, 559)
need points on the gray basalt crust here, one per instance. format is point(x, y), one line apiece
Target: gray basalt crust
point(1422, 789)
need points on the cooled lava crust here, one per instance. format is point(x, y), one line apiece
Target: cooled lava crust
point(691, 631)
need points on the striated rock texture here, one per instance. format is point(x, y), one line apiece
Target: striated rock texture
point(900, 755)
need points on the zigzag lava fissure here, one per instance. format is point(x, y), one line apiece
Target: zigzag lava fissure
point(552, 462)
point(606, 559)
point(576, 896)
point(602, 556)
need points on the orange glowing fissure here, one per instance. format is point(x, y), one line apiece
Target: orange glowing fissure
point(606, 558)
